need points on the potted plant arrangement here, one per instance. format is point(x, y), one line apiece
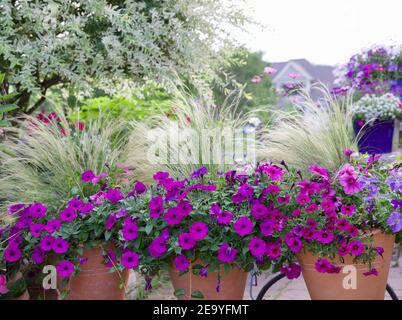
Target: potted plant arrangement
point(376, 70)
point(346, 223)
point(77, 239)
point(374, 122)
point(210, 230)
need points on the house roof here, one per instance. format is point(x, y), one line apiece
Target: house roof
point(322, 73)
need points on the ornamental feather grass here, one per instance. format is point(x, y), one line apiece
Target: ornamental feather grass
point(198, 133)
point(39, 164)
point(316, 133)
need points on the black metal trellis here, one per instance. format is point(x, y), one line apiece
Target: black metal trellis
point(280, 276)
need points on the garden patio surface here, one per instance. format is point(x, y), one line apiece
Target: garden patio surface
point(283, 290)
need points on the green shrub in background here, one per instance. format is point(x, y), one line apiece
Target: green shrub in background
point(51, 43)
point(143, 103)
point(5, 105)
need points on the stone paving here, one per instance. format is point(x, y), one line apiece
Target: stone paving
point(283, 290)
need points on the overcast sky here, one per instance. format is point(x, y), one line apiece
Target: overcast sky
point(323, 31)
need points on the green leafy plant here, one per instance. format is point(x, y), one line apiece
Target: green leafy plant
point(5, 98)
point(143, 103)
point(108, 42)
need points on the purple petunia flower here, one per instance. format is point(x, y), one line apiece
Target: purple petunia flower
point(36, 229)
point(295, 244)
point(218, 283)
point(273, 251)
point(156, 202)
point(98, 198)
point(320, 171)
point(15, 208)
point(184, 208)
point(237, 198)
point(323, 265)
point(12, 254)
point(130, 259)
point(75, 204)
point(224, 217)
point(243, 226)
point(113, 195)
point(156, 213)
point(185, 241)
point(356, 248)
point(379, 250)
point(327, 205)
point(38, 255)
point(182, 263)
point(324, 237)
point(199, 173)
point(110, 221)
point(350, 184)
point(274, 172)
point(46, 243)
point(157, 247)
point(173, 217)
point(283, 200)
point(395, 221)
point(226, 254)
point(343, 250)
point(130, 231)
point(259, 211)
point(53, 225)
point(396, 203)
point(87, 176)
point(267, 228)
point(160, 175)
point(313, 207)
point(348, 152)
point(302, 198)
point(140, 187)
point(68, 214)
point(245, 191)
point(110, 258)
point(65, 268)
point(372, 271)
point(60, 245)
point(311, 223)
point(257, 247)
point(198, 230)
point(203, 272)
point(37, 210)
point(292, 271)
point(348, 209)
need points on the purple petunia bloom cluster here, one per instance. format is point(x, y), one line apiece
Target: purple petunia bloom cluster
point(267, 217)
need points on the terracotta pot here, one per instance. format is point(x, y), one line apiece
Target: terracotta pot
point(95, 281)
point(325, 286)
point(232, 284)
point(34, 284)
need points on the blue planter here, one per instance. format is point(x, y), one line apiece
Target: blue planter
point(376, 138)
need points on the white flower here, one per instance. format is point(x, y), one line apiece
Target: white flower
point(383, 107)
